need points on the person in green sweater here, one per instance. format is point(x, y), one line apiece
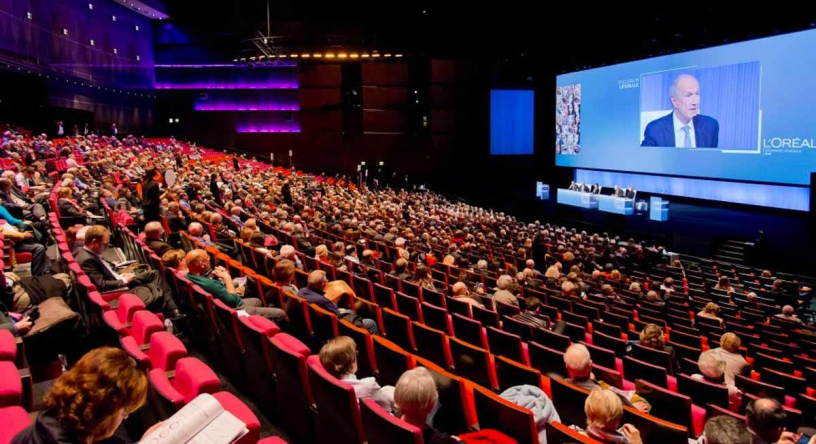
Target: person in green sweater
point(223, 288)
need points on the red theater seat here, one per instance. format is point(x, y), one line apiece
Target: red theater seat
point(12, 421)
point(382, 427)
point(11, 386)
point(8, 346)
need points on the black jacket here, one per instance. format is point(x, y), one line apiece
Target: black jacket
point(48, 430)
point(151, 200)
point(175, 222)
point(99, 275)
point(68, 209)
point(159, 247)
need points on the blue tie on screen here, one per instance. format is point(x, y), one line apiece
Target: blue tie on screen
point(687, 140)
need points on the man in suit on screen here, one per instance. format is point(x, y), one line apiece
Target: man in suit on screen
point(684, 127)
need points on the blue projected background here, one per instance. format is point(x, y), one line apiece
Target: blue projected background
point(760, 93)
point(511, 121)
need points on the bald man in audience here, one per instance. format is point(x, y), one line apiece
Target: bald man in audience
point(579, 367)
point(196, 231)
point(315, 294)
point(530, 268)
point(223, 288)
point(153, 238)
point(766, 421)
point(787, 314)
point(461, 293)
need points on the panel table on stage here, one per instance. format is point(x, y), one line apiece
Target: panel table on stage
point(577, 199)
point(617, 205)
point(658, 209)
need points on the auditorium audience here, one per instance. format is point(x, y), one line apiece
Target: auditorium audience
point(339, 358)
point(729, 352)
point(423, 229)
point(88, 403)
point(604, 412)
point(652, 337)
point(711, 311)
point(415, 396)
point(787, 314)
point(766, 421)
point(423, 278)
point(315, 295)
point(461, 293)
point(725, 429)
point(284, 276)
point(223, 288)
point(712, 370)
point(148, 285)
point(153, 238)
point(579, 368)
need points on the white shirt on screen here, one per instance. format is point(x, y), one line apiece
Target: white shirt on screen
point(680, 134)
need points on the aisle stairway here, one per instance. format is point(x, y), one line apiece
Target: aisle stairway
point(733, 251)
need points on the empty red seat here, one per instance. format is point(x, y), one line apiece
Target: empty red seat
point(382, 427)
point(293, 394)
point(192, 378)
point(164, 352)
point(11, 386)
point(8, 346)
point(145, 324)
point(121, 318)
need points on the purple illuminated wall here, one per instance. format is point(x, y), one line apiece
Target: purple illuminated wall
point(267, 123)
point(40, 41)
point(248, 100)
point(227, 77)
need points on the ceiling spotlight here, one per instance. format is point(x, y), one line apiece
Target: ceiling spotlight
point(177, 120)
point(317, 56)
point(113, 17)
point(29, 16)
point(375, 55)
point(398, 55)
point(235, 60)
point(137, 27)
point(329, 55)
point(282, 56)
point(261, 57)
point(272, 56)
point(305, 56)
point(92, 42)
point(342, 55)
point(115, 51)
point(294, 56)
point(365, 56)
point(64, 31)
point(387, 55)
point(243, 59)
point(264, 40)
point(354, 56)
point(252, 58)
point(90, 6)
point(138, 58)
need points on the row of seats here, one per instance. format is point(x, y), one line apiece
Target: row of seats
point(175, 378)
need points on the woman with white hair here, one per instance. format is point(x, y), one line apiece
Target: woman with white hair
point(787, 314)
point(503, 295)
point(415, 396)
point(604, 411)
point(712, 370)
